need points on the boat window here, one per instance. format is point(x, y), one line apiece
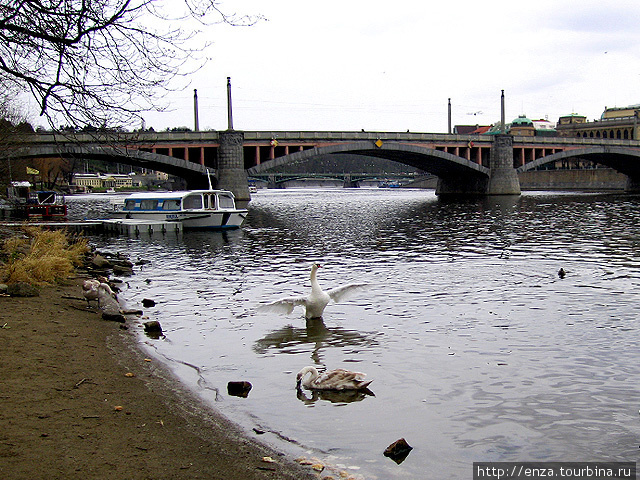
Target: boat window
point(129, 204)
point(46, 197)
point(225, 201)
point(171, 204)
point(192, 201)
point(149, 204)
point(207, 199)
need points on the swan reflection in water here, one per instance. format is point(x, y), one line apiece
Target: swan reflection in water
point(310, 397)
point(288, 339)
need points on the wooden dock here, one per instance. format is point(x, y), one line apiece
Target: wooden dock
point(136, 227)
point(128, 227)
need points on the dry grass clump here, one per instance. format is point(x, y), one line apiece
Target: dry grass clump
point(41, 257)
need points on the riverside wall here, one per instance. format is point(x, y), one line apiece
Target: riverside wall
point(605, 179)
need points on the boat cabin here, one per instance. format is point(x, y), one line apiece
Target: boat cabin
point(181, 201)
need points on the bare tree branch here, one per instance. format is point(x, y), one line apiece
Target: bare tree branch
point(103, 62)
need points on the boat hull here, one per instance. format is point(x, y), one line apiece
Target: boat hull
point(34, 212)
point(214, 220)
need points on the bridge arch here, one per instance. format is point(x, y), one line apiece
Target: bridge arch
point(622, 159)
point(194, 173)
point(441, 164)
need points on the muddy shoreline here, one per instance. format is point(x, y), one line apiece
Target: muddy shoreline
point(80, 400)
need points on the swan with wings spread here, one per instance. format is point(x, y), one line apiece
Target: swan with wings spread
point(317, 299)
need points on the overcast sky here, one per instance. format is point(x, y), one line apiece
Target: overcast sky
point(392, 65)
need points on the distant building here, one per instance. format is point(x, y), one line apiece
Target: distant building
point(522, 127)
point(573, 119)
point(467, 129)
point(618, 123)
point(96, 180)
point(544, 128)
point(617, 113)
point(87, 180)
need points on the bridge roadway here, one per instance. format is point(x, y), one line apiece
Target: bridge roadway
point(475, 164)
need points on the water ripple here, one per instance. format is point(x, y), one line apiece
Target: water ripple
point(477, 349)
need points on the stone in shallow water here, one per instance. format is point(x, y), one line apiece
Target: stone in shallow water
point(398, 451)
point(239, 389)
point(153, 329)
point(147, 302)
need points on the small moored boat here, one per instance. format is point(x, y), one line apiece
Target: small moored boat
point(24, 203)
point(195, 209)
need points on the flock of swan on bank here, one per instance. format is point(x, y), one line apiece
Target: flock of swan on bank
point(315, 303)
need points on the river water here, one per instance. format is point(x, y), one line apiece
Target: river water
point(477, 349)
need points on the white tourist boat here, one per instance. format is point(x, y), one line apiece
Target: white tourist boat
point(194, 209)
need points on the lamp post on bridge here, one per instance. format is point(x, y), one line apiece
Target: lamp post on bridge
point(229, 109)
point(231, 174)
point(503, 127)
point(196, 120)
point(503, 179)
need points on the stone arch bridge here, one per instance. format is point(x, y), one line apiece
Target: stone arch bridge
point(464, 164)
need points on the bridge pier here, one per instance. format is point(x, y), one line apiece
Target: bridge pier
point(503, 179)
point(272, 182)
point(349, 183)
point(231, 173)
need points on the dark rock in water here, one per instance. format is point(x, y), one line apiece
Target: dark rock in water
point(147, 302)
point(122, 270)
point(100, 262)
point(22, 289)
point(122, 262)
point(562, 273)
point(153, 329)
point(152, 326)
point(239, 389)
point(398, 451)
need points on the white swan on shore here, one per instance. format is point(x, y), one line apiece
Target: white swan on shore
point(97, 289)
point(90, 290)
point(317, 300)
point(338, 379)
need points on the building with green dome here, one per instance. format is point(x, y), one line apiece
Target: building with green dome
point(522, 127)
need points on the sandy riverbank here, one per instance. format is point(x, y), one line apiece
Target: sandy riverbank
point(68, 410)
